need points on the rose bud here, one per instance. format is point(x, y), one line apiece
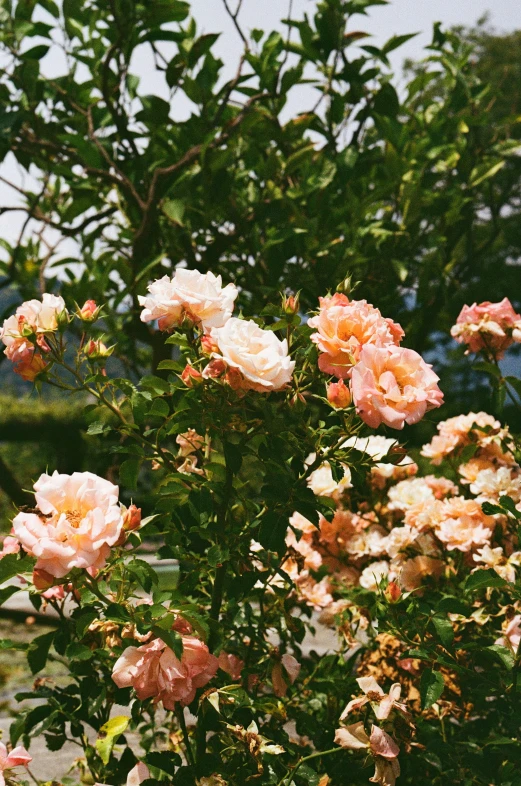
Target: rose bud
point(41, 579)
point(214, 369)
point(208, 345)
point(97, 350)
point(393, 592)
point(191, 376)
point(291, 303)
point(89, 312)
point(338, 394)
point(132, 518)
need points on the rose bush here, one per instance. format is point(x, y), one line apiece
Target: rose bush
point(284, 513)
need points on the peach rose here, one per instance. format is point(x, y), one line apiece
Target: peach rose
point(344, 327)
point(414, 570)
point(34, 317)
point(475, 428)
point(338, 394)
point(153, 670)
point(190, 294)
point(231, 664)
point(487, 326)
point(79, 520)
point(257, 359)
point(463, 524)
point(511, 634)
point(394, 386)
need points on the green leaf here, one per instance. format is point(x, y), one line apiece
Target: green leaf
point(38, 651)
point(77, 651)
point(171, 639)
point(6, 592)
point(397, 40)
point(505, 655)
point(12, 564)
point(486, 577)
point(484, 172)
point(174, 209)
point(109, 734)
point(431, 687)
point(128, 473)
point(444, 630)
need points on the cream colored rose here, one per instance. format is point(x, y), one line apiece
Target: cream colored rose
point(78, 519)
point(200, 297)
point(261, 359)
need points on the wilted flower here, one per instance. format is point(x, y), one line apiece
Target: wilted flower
point(153, 670)
point(382, 703)
point(287, 668)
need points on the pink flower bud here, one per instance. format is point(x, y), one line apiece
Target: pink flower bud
point(191, 376)
point(89, 312)
point(393, 592)
point(338, 394)
point(291, 303)
point(208, 345)
point(97, 350)
point(41, 579)
point(132, 518)
point(215, 369)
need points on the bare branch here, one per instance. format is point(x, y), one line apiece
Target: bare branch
point(234, 16)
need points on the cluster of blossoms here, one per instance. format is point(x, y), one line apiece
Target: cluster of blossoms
point(409, 533)
point(241, 353)
point(389, 384)
point(488, 327)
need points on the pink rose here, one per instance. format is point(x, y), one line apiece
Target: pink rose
point(27, 362)
point(79, 520)
point(394, 386)
point(487, 326)
point(9, 546)
point(344, 327)
point(153, 670)
point(254, 359)
point(18, 757)
point(512, 634)
point(190, 294)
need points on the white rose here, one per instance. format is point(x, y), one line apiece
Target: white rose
point(260, 357)
point(36, 316)
point(371, 576)
point(199, 296)
point(321, 481)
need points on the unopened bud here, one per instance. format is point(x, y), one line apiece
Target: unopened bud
point(89, 312)
point(215, 369)
point(208, 345)
point(41, 579)
point(132, 518)
point(97, 350)
point(338, 394)
point(191, 376)
point(393, 592)
point(291, 303)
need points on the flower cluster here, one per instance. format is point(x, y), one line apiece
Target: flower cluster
point(389, 384)
point(488, 327)
point(415, 525)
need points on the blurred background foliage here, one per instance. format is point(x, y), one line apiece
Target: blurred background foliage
point(411, 190)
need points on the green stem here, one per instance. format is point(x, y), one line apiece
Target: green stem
point(181, 718)
point(286, 780)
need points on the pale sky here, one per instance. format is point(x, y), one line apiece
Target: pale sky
point(399, 17)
